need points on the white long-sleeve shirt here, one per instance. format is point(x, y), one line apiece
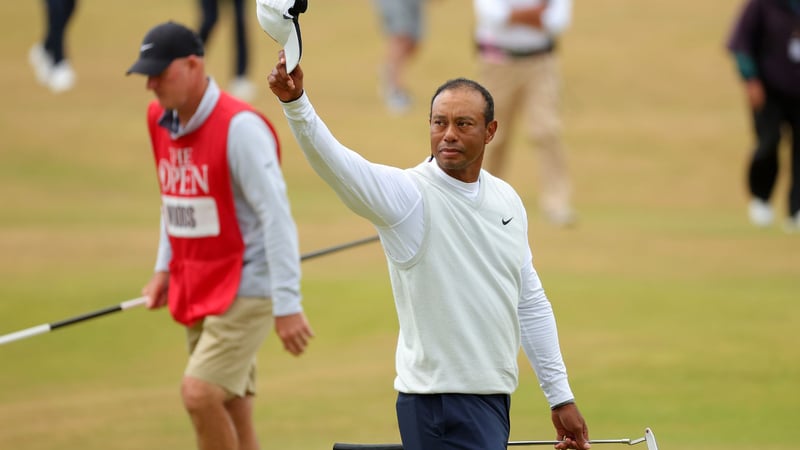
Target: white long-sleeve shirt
point(493, 26)
point(392, 201)
point(271, 255)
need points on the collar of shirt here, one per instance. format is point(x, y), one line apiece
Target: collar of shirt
point(468, 190)
point(169, 119)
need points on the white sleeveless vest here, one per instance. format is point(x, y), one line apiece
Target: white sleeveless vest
point(457, 298)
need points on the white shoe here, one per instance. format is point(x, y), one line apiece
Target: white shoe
point(398, 101)
point(41, 62)
point(761, 214)
point(62, 77)
point(242, 89)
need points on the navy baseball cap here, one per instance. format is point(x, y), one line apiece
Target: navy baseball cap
point(163, 44)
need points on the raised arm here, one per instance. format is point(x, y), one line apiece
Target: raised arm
point(382, 194)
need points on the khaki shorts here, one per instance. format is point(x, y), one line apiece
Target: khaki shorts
point(222, 349)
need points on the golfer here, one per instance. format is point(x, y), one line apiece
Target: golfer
point(466, 292)
point(228, 259)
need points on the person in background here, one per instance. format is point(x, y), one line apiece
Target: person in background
point(765, 43)
point(228, 264)
point(240, 86)
point(48, 58)
point(402, 24)
point(464, 285)
point(517, 47)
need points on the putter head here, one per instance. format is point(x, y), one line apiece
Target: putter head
point(650, 438)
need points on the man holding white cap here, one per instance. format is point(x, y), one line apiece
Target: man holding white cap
point(465, 289)
point(279, 19)
point(228, 262)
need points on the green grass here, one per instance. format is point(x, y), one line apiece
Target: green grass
point(674, 313)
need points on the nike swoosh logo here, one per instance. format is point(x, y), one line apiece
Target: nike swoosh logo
point(506, 221)
point(146, 47)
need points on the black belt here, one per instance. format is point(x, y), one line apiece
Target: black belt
point(493, 49)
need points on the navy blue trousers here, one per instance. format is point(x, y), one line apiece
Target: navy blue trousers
point(210, 14)
point(59, 13)
point(453, 421)
point(779, 110)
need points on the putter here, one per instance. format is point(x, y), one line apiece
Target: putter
point(649, 438)
point(47, 327)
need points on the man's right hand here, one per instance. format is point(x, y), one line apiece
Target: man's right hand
point(570, 428)
point(286, 86)
point(156, 290)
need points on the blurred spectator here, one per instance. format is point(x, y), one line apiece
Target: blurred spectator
point(48, 58)
point(516, 43)
point(402, 24)
point(765, 42)
point(240, 86)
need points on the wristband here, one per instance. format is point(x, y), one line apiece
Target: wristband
point(564, 403)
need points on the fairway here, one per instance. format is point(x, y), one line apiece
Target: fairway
point(674, 312)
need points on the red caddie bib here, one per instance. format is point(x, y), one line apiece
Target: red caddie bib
point(199, 212)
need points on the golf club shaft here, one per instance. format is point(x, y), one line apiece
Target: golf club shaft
point(47, 327)
point(592, 441)
point(343, 446)
point(339, 247)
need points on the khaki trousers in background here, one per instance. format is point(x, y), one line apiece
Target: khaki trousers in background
point(527, 89)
